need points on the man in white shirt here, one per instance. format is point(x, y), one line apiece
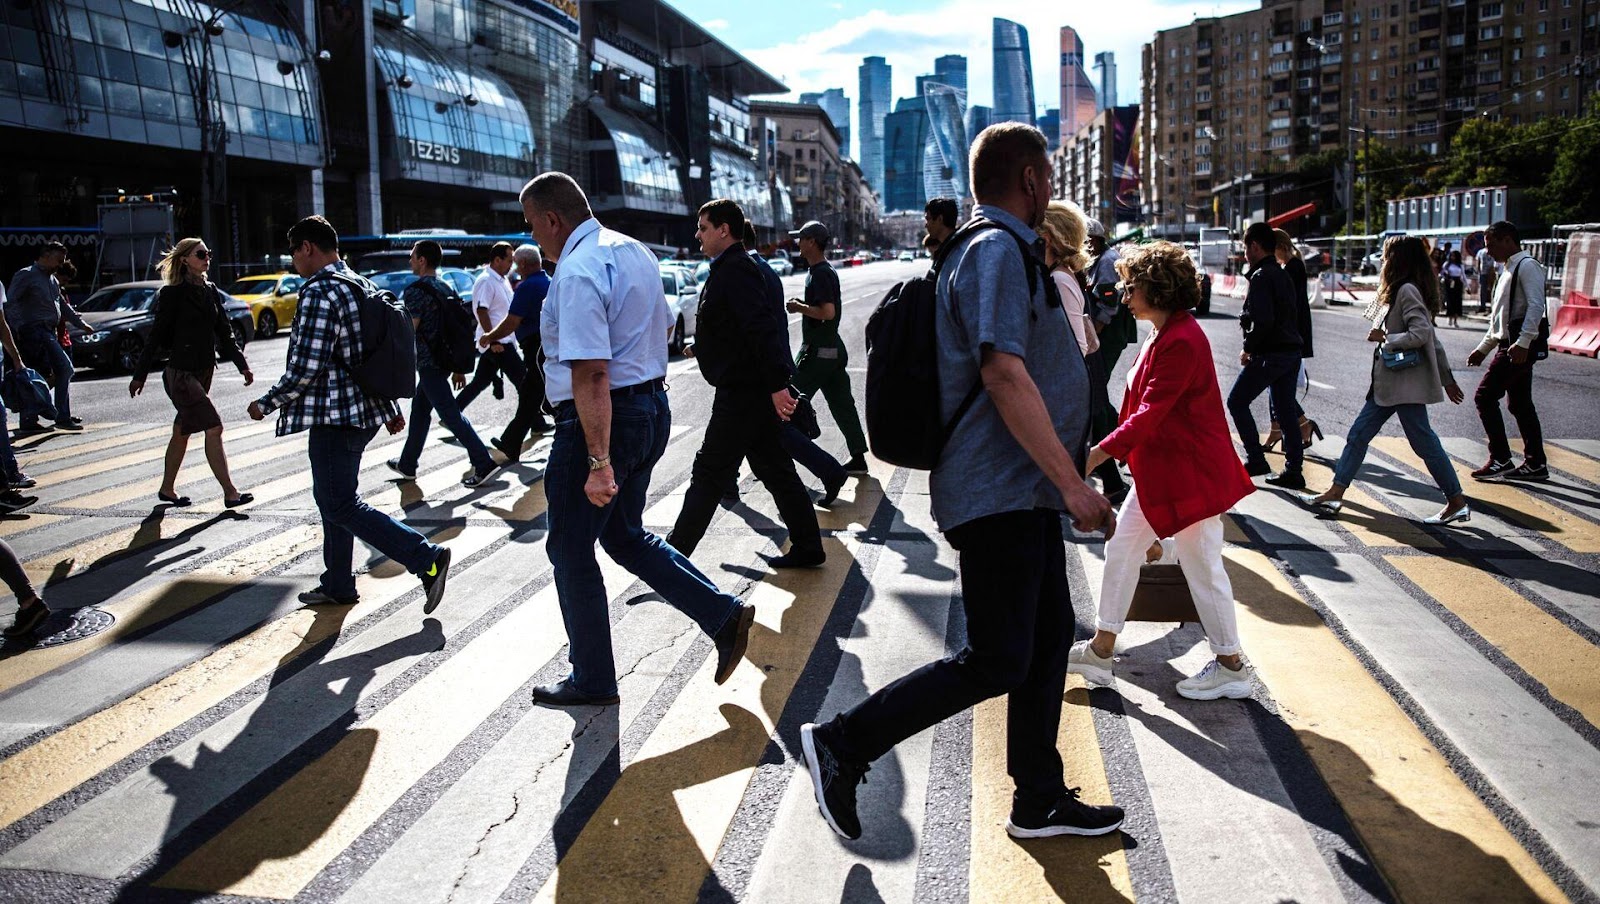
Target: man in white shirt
point(604, 329)
point(1516, 337)
point(491, 301)
point(1484, 261)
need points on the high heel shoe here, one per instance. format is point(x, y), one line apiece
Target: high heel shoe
point(1308, 429)
point(1273, 436)
point(1463, 514)
point(1329, 507)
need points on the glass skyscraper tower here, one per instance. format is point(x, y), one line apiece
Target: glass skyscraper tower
point(874, 106)
point(1013, 74)
point(833, 102)
point(1078, 104)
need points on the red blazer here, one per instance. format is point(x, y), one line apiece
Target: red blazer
point(1173, 434)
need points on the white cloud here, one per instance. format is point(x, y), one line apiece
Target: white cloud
point(831, 57)
point(717, 24)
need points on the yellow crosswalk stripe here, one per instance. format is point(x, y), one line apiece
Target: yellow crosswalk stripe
point(1367, 519)
point(147, 454)
point(77, 559)
point(1068, 869)
point(197, 473)
point(54, 453)
point(1428, 833)
point(1564, 662)
point(1513, 503)
point(16, 524)
point(179, 594)
point(1580, 466)
point(70, 757)
point(657, 832)
point(321, 810)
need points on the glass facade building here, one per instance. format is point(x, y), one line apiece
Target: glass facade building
point(1078, 101)
point(834, 102)
point(951, 70)
point(944, 170)
point(873, 107)
point(905, 146)
point(1013, 73)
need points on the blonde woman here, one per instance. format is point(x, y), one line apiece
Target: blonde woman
point(191, 327)
point(1066, 233)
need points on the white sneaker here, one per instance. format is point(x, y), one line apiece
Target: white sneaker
point(1216, 680)
point(1081, 660)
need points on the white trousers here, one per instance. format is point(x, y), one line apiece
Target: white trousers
point(1200, 556)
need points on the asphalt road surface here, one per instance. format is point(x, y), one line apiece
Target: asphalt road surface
point(1424, 726)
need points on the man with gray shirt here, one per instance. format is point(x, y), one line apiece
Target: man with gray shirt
point(1012, 466)
point(34, 311)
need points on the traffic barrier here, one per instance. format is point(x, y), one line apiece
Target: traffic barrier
point(1577, 327)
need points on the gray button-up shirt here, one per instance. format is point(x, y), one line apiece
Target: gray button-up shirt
point(34, 298)
point(984, 302)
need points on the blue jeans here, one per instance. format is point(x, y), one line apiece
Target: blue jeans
point(1419, 433)
point(433, 394)
point(1277, 371)
point(335, 454)
point(640, 427)
point(43, 352)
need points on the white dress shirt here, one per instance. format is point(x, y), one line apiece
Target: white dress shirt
point(605, 304)
point(1527, 276)
point(492, 293)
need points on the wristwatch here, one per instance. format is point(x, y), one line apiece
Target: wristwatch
point(596, 464)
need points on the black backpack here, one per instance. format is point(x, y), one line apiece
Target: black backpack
point(454, 346)
point(388, 365)
point(905, 423)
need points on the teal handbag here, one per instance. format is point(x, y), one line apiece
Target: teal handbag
point(1404, 359)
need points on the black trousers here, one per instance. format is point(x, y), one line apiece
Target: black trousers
point(1019, 628)
point(507, 361)
point(1514, 383)
point(744, 426)
point(530, 405)
point(1278, 372)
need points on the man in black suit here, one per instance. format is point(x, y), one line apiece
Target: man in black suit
point(743, 350)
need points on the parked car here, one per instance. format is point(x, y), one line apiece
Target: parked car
point(385, 261)
point(397, 280)
point(781, 265)
point(121, 317)
point(683, 297)
point(272, 300)
point(907, 256)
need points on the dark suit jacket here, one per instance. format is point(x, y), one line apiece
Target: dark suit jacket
point(741, 341)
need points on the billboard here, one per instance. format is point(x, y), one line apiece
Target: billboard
point(1125, 190)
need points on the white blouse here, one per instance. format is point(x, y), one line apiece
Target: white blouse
point(1072, 300)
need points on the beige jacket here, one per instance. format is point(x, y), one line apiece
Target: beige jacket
point(1408, 325)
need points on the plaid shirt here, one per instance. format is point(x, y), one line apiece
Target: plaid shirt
point(316, 389)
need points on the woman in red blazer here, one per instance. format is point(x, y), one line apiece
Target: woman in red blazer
point(1174, 436)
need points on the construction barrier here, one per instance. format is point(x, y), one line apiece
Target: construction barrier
point(1577, 326)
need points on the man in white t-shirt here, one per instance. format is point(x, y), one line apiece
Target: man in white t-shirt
point(491, 301)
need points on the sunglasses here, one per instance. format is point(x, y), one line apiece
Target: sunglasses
point(203, 253)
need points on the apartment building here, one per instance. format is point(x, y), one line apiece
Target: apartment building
point(1247, 94)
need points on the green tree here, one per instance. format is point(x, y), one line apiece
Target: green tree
point(1485, 152)
point(1571, 194)
point(1382, 173)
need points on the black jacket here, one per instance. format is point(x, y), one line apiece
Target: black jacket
point(1269, 320)
point(1296, 269)
point(741, 340)
point(192, 327)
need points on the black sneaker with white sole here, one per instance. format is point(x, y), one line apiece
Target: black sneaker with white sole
point(1528, 472)
point(1069, 816)
point(479, 478)
point(833, 781)
point(433, 580)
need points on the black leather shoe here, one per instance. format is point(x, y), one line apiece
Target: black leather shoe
point(1289, 480)
point(732, 639)
point(511, 455)
point(1257, 468)
point(562, 693)
point(830, 492)
point(799, 558)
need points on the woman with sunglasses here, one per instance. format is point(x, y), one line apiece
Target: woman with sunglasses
point(1175, 438)
point(191, 326)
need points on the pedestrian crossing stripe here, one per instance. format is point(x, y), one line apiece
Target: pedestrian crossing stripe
point(190, 475)
point(38, 453)
point(62, 476)
point(1367, 519)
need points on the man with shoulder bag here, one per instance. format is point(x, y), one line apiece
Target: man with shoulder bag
point(1518, 336)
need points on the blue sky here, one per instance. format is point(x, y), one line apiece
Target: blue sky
point(823, 48)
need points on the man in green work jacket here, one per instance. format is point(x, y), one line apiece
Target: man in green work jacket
point(821, 364)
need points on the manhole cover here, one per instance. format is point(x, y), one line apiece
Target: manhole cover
point(85, 622)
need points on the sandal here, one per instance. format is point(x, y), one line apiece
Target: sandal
point(244, 499)
point(179, 501)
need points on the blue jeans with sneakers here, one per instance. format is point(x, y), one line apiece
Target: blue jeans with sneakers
point(433, 394)
point(335, 454)
point(640, 427)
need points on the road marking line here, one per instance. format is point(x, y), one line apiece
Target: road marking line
point(1511, 503)
point(1003, 869)
point(77, 753)
point(33, 459)
point(1428, 833)
point(75, 560)
point(657, 832)
point(26, 520)
point(151, 453)
point(1367, 519)
point(1580, 466)
point(200, 471)
point(1565, 663)
point(1320, 385)
point(172, 597)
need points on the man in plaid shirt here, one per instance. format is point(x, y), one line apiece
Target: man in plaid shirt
point(317, 393)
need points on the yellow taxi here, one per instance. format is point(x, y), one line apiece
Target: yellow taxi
point(272, 299)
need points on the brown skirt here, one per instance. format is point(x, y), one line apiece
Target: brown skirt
point(190, 392)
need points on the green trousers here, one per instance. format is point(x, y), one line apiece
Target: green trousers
point(829, 375)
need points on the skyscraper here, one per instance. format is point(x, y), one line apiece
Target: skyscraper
point(951, 70)
point(874, 106)
point(1105, 68)
point(1050, 125)
point(944, 161)
point(834, 102)
point(978, 118)
point(905, 140)
point(1013, 73)
point(1078, 103)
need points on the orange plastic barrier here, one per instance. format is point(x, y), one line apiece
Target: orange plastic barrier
point(1577, 326)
